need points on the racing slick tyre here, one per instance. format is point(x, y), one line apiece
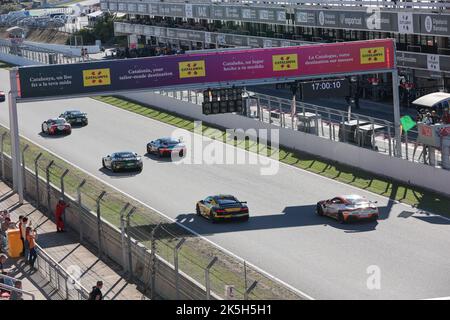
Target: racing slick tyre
point(341, 218)
point(197, 210)
point(159, 154)
point(113, 168)
point(103, 163)
point(319, 210)
point(42, 128)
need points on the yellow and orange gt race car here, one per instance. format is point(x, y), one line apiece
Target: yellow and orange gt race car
point(222, 207)
point(348, 208)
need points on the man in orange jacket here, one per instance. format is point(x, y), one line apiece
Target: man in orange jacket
point(60, 210)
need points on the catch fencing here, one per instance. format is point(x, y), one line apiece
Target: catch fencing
point(336, 125)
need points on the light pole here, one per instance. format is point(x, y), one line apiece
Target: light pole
point(14, 130)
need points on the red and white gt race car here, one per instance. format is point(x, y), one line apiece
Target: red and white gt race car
point(56, 126)
point(348, 208)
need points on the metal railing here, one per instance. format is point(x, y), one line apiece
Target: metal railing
point(337, 125)
point(41, 55)
point(9, 288)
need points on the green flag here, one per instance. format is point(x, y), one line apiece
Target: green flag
point(407, 123)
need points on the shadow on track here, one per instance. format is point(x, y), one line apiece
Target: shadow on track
point(120, 174)
point(55, 136)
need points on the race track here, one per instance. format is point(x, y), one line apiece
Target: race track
point(284, 237)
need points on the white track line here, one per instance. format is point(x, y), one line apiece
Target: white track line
point(171, 219)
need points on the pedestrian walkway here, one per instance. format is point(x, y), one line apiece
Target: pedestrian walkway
point(65, 249)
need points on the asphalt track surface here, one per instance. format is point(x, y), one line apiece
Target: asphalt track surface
point(284, 237)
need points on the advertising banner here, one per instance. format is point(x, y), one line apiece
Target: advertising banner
point(213, 68)
point(430, 135)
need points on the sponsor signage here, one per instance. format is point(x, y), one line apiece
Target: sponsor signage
point(351, 20)
point(211, 68)
point(371, 19)
point(411, 60)
point(433, 62)
point(372, 55)
point(200, 11)
point(282, 62)
point(433, 24)
point(305, 17)
point(96, 77)
point(405, 22)
point(171, 10)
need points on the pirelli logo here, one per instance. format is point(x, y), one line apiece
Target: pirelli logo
point(192, 69)
point(96, 77)
point(284, 62)
point(372, 55)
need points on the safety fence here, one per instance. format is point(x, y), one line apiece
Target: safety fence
point(407, 4)
point(337, 125)
point(163, 257)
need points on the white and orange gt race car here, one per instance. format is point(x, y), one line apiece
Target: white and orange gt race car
point(348, 208)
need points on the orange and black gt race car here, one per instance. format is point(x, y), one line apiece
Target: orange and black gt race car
point(222, 207)
point(348, 208)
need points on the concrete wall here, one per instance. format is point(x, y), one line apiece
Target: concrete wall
point(77, 219)
point(417, 174)
point(13, 59)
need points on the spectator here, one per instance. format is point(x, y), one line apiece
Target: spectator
point(59, 214)
point(15, 295)
point(23, 236)
point(6, 224)
point(446, 117)
point(427, 119)
point(3, 258)
point(434, 117)
point(31, 237)
point(96, 293)
point(6, 281)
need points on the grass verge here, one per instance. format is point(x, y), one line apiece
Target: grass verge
point(412, 195)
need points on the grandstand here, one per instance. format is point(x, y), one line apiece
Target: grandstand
point(420, 28)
